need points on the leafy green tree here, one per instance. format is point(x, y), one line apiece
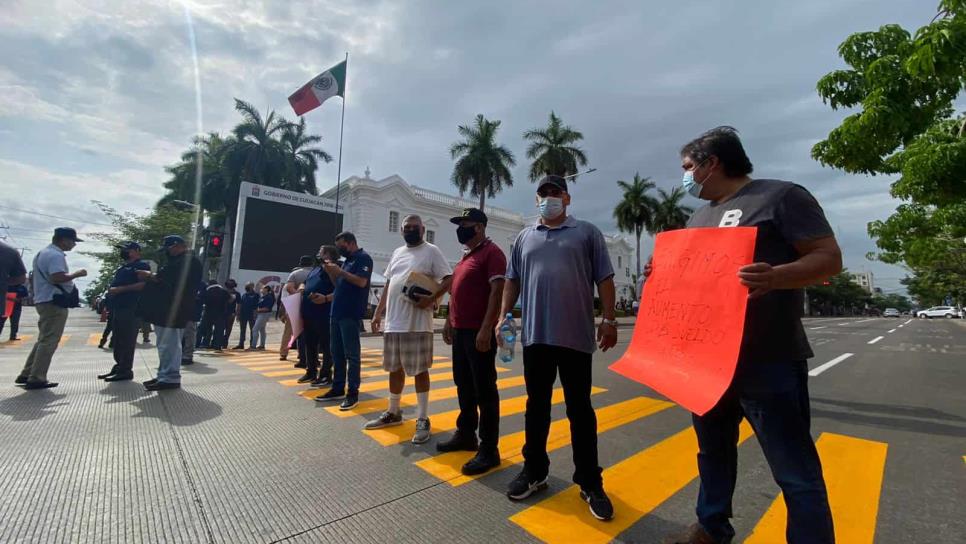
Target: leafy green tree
point(147, 230)
point(482, 165)
point(635, 213)
point(838, 295)
point(553, 149)
point(902, 87)
point(301, 159)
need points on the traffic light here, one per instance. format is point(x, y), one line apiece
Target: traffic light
point(215, 241)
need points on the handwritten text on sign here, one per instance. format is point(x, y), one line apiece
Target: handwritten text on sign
point(692, 314)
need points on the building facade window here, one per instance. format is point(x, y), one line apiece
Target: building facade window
point(393, 221)
point(431, 236)
point(619, 262)
point(627, 272)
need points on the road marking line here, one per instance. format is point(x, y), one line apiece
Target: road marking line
point(844, 324)
point(637, 485)
point(865, 320)
point(907, 322)
point(278, 366)
point(817, 328)
point(282, 373)
point(819, 369)
point(876, 339)
point(380, 372)
point(446, 421)
point(375, 386)
point(409, 399)
point(94, 339)
point(63, 340)
point(853, 470)
point(446, 466)
point(24, 338)
point(892, 331)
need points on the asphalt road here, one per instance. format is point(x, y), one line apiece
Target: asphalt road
point(241, 455)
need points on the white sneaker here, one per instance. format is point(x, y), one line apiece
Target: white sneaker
point(422, 431)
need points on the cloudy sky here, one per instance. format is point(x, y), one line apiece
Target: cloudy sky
point(96, 97)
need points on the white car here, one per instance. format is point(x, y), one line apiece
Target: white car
point(948, 312)
point(890, 312)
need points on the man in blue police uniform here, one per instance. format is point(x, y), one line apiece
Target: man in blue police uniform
point(124, 293)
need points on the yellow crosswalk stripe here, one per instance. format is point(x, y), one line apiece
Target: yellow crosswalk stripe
point(281, 373)
point(636, 486)
point(380, 372)
point(24, 338)
point(376, 386)
point(94, 339)
point(446, 466)
point(853, 470)
point(281, 365)
point(409, 399)
point(446, 421)
point(63, 340)
point(259, 362)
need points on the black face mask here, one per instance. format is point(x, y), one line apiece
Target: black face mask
point(125, 254)
point(412, 237)
point(344, 252)
point(465, 234)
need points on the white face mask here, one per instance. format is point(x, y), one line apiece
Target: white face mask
point(550, 207)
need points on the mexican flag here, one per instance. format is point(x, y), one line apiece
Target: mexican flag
point(323, 87)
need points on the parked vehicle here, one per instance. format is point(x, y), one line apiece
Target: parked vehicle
point(891, 312)
point(948, 312)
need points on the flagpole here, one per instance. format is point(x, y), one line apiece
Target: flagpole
point(338, 181)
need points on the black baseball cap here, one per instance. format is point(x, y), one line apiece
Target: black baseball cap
point(556, 181)
point(66, 232)
point(470, 214)
point(172, 240)
point(306, 260)
point(130, 245)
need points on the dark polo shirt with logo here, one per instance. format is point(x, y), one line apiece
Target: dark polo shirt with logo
point(785, 213)
point(470, 292)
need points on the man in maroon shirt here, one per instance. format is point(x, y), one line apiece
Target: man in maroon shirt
point(474, 306)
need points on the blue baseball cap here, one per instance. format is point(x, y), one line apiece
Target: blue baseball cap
point(129, 245)
point(66, 232)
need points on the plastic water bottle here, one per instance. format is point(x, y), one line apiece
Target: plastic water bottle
point(508, 330)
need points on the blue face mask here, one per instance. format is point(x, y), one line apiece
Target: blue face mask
point(692, 187)
point(550, 207)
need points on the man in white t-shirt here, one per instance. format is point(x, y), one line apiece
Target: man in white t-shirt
point(292, 284)
point(408, 338)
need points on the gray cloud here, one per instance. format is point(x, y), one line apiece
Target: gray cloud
point(105, 95)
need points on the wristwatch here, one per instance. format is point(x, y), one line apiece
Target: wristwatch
point(611, 322)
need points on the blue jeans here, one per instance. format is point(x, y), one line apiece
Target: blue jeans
point(774, 400)
point(344, 337)
point(258, 329)
point(169, 353)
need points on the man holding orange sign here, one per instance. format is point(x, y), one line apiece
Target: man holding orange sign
point(794, 247)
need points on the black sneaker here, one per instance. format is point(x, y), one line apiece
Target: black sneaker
point(350, 402)
point(187, 362)
point(524, 485)
point(20, 380)
point(331, 394)
point(600, 505)
point(308, 377)
point(481, 462)
point(458, 442)
point(322, 381)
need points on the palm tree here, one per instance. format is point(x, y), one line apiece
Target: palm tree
point(256, 153)
point(301, 160)
point(669, 214)
point(635, 211)
point(552, 149)
point(482, 166)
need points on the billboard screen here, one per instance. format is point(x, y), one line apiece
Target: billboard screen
point(277, 234)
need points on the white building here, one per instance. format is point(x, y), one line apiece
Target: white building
point(374, 209)
point(863, 280)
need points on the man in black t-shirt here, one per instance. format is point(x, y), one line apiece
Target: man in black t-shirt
point(795, 247)
point(213, 319)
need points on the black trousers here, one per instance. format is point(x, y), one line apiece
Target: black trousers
point(226, 333)
point(126, 326)
point(245, 324)
point(541, 363)
point(315, 338)
point(14, 319)
point(212, 329)
point(108, 327)
point(474, 373)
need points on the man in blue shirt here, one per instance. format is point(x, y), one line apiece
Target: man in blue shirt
point(246, 313)
point(348, 308)
point(124, 293)
point(555, 264)
point(316, 304)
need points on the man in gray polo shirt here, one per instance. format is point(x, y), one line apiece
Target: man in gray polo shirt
point(51, 278)
point(555, 264)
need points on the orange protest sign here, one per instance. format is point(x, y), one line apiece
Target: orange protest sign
point(692, 315)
